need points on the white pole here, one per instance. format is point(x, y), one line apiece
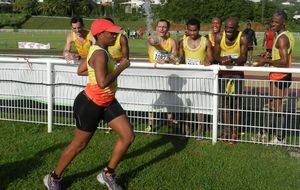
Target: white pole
point(49, 95)
point(215, 106)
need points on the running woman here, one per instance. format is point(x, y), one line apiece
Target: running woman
point(97, 102)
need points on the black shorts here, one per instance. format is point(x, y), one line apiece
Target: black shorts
point(88, 115)
point(284, 82)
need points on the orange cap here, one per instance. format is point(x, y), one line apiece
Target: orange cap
point(102, 25)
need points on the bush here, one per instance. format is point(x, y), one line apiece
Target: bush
point(13, 20)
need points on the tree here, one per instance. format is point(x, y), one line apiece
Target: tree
point(28, 7)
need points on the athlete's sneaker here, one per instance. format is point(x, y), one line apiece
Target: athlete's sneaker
point(109, 181)
point(276, 141)
point(51, 183)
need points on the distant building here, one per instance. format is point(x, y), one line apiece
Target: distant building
point(8, 2)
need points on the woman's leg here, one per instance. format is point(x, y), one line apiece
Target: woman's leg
point(123, 128)
point(79, 142)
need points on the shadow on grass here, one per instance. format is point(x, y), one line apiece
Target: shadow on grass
point(19, 169)
point(178, 144)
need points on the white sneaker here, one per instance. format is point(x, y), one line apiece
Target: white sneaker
point(276, 141)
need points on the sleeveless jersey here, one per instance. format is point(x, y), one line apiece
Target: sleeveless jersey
point(160, 52)
point(210, 38)
point(82, 49)
point(233, 51)
point(195, 56)
point(276, 55)
point(115, 50)
point(101, 97)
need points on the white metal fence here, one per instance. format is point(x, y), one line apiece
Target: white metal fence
point(177, 100)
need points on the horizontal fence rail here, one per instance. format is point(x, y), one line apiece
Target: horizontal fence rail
point(180, 100)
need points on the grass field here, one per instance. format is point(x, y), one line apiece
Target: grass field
point(28, 152)
point(138, 47)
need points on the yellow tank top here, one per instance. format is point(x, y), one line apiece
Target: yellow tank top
point(82, 49)
point(101, 97)
point(195, 56)
point(158, 52)
point(210, 38)
point(233, 51)
point(115, 50)
point(276, 55)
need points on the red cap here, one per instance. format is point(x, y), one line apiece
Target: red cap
point(102, 25)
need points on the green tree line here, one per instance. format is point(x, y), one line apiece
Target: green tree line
point(177, 11)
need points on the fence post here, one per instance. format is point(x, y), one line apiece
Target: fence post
point(49, 95)
point(215, 105)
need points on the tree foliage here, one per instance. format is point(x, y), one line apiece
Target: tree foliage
point(204, 10)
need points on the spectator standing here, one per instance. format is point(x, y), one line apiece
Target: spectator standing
point(195, 50)
point(231, 50)
point(81, 38)
point(279, 82)
point(268, 40)
point(215, 30)
point(251, 38)
point(160, 48)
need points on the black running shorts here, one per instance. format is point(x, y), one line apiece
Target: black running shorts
point(284, 82)
point(88, 115)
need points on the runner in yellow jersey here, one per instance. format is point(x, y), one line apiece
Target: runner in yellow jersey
point(81, 38)
point(280, 82)
point(195, 50)
point(120, 49)
point(161, 47)
point(97, 102)
point(216, 25)
point(231, 49)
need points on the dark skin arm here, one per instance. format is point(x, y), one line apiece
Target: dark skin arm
point(181, 51)
point(98, 61)
point(241, 60)
point(283, 44)
point(82, 68)
point(209, 53)
point(124, 47)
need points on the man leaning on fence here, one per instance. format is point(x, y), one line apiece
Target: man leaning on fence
point(279, 82)
point(161, 49)
point(231, 50)
point(81, 38)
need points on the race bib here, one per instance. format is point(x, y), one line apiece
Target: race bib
point(189, 61)
point(232, 55)
point(160, 55)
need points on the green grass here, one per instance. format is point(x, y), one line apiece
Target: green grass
point(28, 152)
point(138, 47)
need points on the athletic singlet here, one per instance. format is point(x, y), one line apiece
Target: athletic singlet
point(82, 49)
point(269, 39)
point(195, 56)
point(276, 55)
point(115, 50)
point(101, 97)
point(233, 51)
point(210, 38)
point(160, 52)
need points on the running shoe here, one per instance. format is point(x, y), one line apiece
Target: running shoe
point(109, 180)
point(52, 183)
